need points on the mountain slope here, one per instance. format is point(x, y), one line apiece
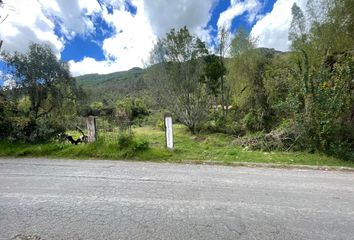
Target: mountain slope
point(94, 79)
point(109, 87)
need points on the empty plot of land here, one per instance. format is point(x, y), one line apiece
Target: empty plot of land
point(64, 199)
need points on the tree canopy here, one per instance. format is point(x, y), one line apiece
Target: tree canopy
point(45, 84)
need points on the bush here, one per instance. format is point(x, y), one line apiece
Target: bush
point(125, 140)
point(341, 149)
point(160, 124)
point(140, 145)
point(227, 127)
point(131, 110)
point(131, 146)
point(252, 122)
point(288, 136)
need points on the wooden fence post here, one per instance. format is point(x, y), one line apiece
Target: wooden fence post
point(91, 129)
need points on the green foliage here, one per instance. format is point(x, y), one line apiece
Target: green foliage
point(296, 101)
point(214, 71)
point(180, 56)
point(325, 72)
point(139, 109)
point(252, 122)
point(297, 31)
point(24, 105)
point(125, 140)
point(7, 110)
point(45, 91)
point(241, 43)
point(131, 146)
point(109, 87)
point(286, 137)
point(132, 110)
point(201, 148)
point(246, 80)
point(96, 106)
point(141, 145)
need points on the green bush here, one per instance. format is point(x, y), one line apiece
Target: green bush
point(252, 122)
point(131, 109)
point(160, 124)
point(125, 140)
point(140, 145)
point(284, 138)
point(130, 145)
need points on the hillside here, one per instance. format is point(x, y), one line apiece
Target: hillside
point(107, 87)
point(94, 79)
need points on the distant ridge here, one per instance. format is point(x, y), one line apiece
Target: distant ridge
point(109, 87)
point(95, 78)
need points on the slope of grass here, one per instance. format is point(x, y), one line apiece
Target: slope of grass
point(203, 148)
point(112, 86)
point(95, 79)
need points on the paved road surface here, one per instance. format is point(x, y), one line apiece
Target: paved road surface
point(62, 199)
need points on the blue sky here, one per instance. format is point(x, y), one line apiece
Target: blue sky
point(102, 36)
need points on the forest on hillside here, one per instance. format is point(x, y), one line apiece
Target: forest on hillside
point(301, 100)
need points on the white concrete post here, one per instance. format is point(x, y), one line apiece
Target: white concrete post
point(169, 131)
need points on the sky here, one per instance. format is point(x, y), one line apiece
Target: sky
point(103, 36)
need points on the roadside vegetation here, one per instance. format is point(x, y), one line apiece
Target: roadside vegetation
point(237, 104)
point(217, 148)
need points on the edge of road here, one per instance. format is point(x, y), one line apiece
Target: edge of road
point(206, 162)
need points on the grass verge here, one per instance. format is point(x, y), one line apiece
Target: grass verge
point(203, 148)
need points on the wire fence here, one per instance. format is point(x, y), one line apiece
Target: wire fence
point(108, 130)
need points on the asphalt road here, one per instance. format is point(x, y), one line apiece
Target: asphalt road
point(64, 199)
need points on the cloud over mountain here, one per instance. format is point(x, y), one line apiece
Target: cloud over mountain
point(125, 31)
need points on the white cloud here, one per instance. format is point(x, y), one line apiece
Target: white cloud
point(135, 35)
point(166, 14)
point(272, 30)
point(35, 20)
point(238, 8)
point(27, 23)
point(90, 65)
point(129, 47)
point(71, 16)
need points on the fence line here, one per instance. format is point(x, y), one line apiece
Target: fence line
point(108, 130)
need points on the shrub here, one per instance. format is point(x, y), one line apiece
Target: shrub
point(140, 145)
point(160, 124)
point(252, 122)
point(125, 140)
point(131, 109)
point(288, 136)
point(130, 146)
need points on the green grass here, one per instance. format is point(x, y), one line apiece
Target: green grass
point(202, 148)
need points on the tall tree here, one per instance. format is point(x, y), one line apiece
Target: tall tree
point(214, 73)
point(181, 65)
point(224, 45)
point(324, 66)
point(297, 31)
point(50, 89)
point(246, 69)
